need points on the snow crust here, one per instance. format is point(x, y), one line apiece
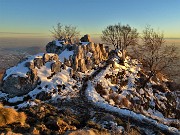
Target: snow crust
point(97, 100)
point(65, 54)
point(21, 70)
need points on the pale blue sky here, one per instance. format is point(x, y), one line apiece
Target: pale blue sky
point(36, 17)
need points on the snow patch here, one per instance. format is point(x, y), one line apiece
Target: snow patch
point(65, 54)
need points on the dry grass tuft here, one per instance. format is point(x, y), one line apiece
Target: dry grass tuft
point(9, 116)
point(88, 132)
point(125, 102)
point(115, 98)
point(99, 88)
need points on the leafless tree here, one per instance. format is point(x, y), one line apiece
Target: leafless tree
point(120, 36)
point(155, 55)
point(68, 33)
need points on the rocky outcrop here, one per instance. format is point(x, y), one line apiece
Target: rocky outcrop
point(88, 56)
point(55, 47)
point(86, 38)
point(16, 85)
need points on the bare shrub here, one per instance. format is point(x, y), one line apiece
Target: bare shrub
point(155, 56)
point(120, 36)
point(67, 33)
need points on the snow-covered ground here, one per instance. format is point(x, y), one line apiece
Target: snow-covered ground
point(115, 94)
point(59, 86)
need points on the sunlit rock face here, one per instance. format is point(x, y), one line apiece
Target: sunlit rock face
point(86, 55)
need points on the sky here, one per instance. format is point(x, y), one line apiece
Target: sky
point(35, 18)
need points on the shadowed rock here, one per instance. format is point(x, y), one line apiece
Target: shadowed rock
point(15, 85)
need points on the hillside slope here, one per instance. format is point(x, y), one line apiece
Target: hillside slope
point(106, 98)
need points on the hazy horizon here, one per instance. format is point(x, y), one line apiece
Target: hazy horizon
point(12, 42)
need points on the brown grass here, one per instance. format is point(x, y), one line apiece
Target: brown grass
point(125, 102)
point(115, 98)
point(99, 88)
point(9, 116)
point(88, 132)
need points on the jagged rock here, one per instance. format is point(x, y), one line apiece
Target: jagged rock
point(57, 124)
point(67, 62)
point(82, 66)
point(89, 64)
point(56, 67)
point(85, 57)
point(54, 57)
point(71, 72)
point(75, 64)
point(16, 85)
point(38, 62)
point(50, 57)
point(43, 96)
point(81, 60)
point(46, 57)
point(86, 38)
point(51, 47)
point(30, 65)
point(64, 66)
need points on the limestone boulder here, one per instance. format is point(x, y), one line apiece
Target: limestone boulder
point(16, 86)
